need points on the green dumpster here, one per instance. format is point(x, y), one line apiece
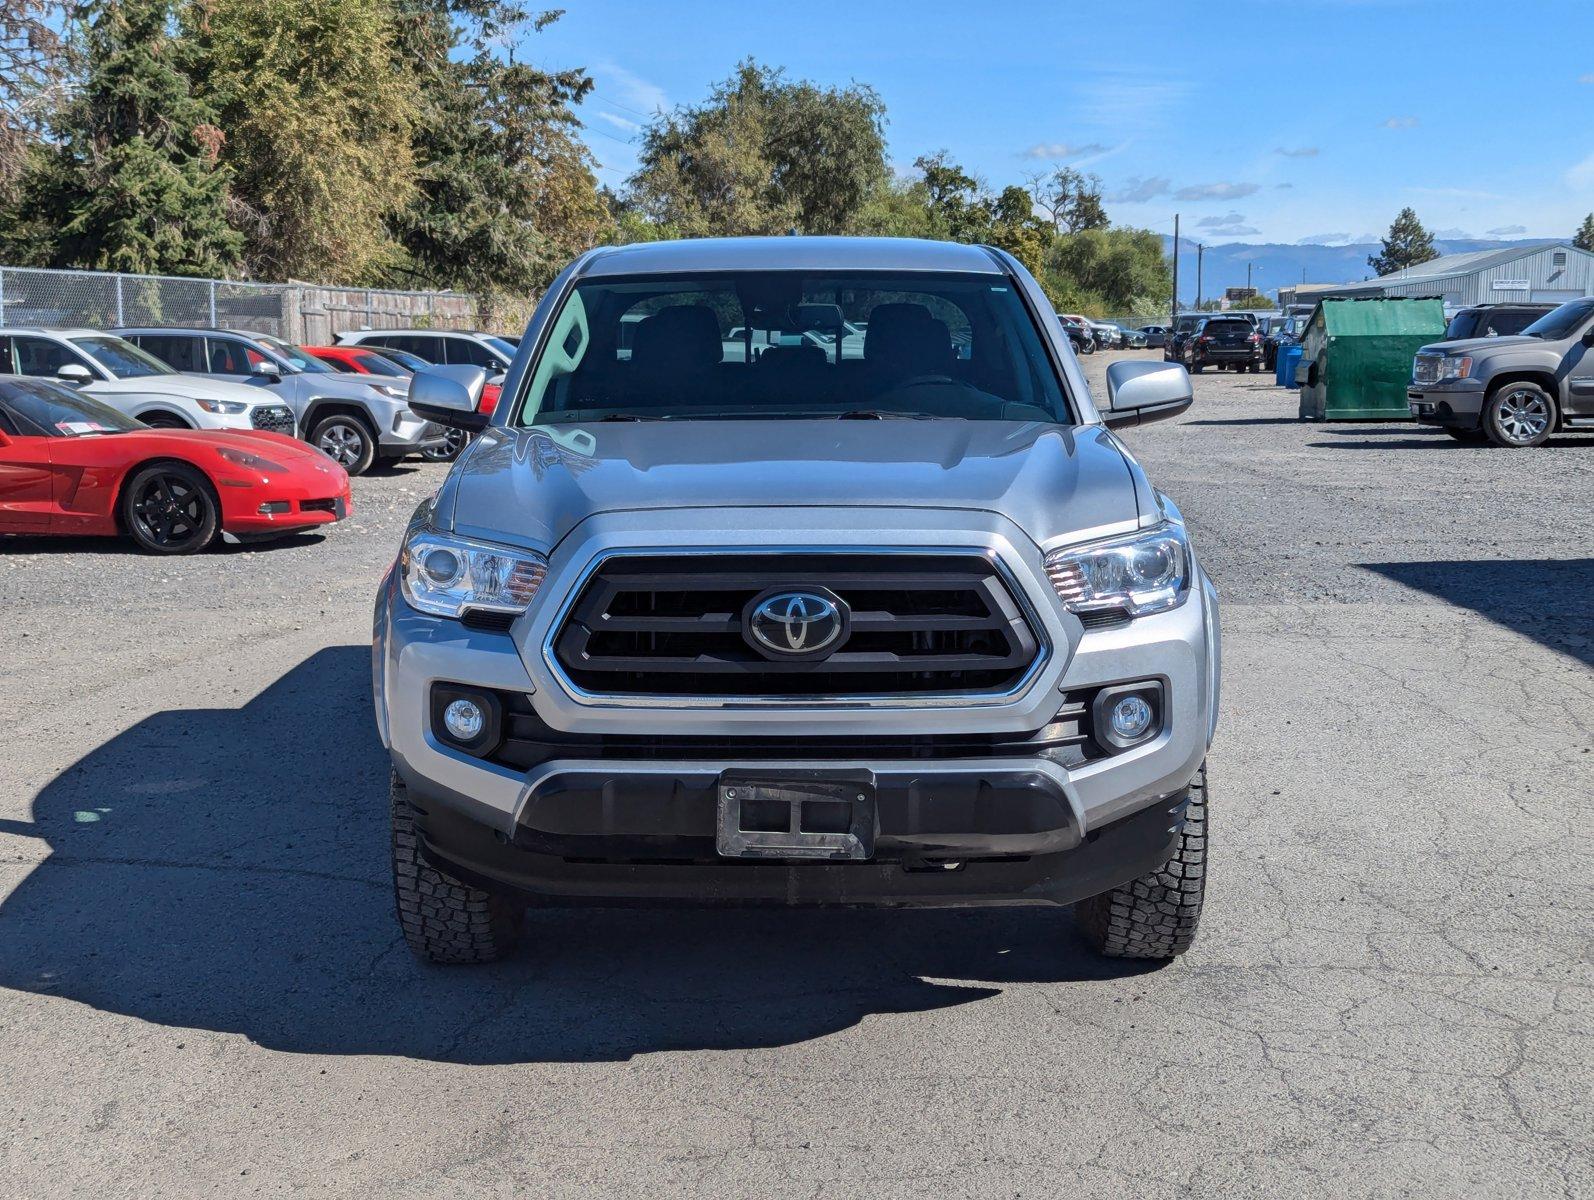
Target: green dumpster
point(1356, 357)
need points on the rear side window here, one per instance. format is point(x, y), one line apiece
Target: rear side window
point(228, 357)
point(463, 352)
point(1510, 321)
point(429, 348)
point(181, 353)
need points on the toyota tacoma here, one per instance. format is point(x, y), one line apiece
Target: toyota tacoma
point(797, 571)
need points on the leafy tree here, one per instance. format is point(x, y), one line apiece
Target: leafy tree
point(763, 154)
point(1405, 245)
point(1583, 239)
point(33, 67)
point(1255, 301)
point(132, 182)
point(1070, 198)
point(1016, 229)
point(1108, 270)
point(958, 203)
point(318, 129)
point(505, 188)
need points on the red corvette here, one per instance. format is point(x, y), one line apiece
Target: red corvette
point(365, 360)
point(69, 464)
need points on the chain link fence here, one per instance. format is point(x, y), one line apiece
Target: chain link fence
point(296, 312)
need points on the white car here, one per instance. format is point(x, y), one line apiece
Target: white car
point(441, 347)
point(118, 373)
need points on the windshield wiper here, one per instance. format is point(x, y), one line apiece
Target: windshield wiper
point(883, 414)
point(630, 417)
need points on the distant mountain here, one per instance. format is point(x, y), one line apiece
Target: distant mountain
point(1276, 265)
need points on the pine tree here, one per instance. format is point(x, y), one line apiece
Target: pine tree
point(1583, 239)
point(133, 183)
point(1406, 245)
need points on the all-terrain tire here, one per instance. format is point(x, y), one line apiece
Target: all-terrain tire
point(444, 920)
point(1156, 916)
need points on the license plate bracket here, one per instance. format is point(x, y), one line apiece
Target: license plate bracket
point(825, 815)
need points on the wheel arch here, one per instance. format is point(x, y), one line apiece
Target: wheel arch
point(158, 460)
point(319, 410)
point(1542, 378)
point(163, 408)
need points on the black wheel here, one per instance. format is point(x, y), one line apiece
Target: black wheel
point(162, 420)
point(347, 440)
point(1156, 916)
point(444, 920)
point(453, 442)
point(1519, 415)
point(170, 508)
point(1468, 437)
point(1196, 368)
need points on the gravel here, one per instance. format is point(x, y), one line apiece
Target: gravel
point(203, 989)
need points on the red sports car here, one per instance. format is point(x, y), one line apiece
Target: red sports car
point(69, 464)
point(365, 360)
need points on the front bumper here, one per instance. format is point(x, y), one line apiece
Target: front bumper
point(409, 434)
point(1458, 405)
point(276, 506)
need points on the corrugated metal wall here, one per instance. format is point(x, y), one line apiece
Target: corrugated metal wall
point(1540, 271)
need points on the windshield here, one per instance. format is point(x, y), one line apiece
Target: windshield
point(410, 362)
point(375, 364)
point(122, 359)
point(57, 411)
point(1561, 322)
point(790, 344)
point(300, 360)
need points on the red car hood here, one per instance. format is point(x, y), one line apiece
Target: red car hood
point(276, 447)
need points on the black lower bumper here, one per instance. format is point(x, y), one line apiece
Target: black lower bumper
point(1430, 409)
point(1009, 839)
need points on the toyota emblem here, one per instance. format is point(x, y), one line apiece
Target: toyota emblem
point(795, 623)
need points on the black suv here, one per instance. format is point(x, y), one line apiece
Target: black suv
point(1493, 320)
point(1229, 343)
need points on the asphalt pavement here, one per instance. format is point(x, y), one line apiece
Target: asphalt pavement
point(203, 991)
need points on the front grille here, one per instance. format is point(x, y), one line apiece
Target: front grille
point(274, 417)
point(921, 624)
point(1425, 368)
point(330, 505)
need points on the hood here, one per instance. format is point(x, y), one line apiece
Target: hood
point(533, 486)
point(1479, 345)
point(280, 448)
point(190, 387)
point(396, 382)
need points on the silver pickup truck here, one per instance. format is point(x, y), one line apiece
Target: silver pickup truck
point(797, 571)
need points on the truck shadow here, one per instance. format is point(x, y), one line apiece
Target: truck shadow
point(226, 870)
point(1549, 600)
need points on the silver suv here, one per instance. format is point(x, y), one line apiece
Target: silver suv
point(356, 419)
point(797, 571)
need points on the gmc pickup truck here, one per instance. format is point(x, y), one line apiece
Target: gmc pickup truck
point(797, 571)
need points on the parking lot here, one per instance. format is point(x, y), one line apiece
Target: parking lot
point(202, 987)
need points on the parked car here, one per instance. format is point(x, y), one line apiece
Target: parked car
point(361, 361)
point(454, 347)
point(904, 628)
point(1154, 335)
point(1493, 320)
point(356, 419)
point(1284, 331)
point(1131, 339)
point(1080, 336)
point(1514, 391)
point(72, 465)
point(1183, 325)
point(120, 375)
point(1226, 342)
point(1108, 335)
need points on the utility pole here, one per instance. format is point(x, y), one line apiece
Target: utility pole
point(1248, 277)
point(1174, 320)
point(1200, 255)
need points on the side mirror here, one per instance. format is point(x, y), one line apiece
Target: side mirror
point(75, 374)
point(450, 396)
point(266, 368)
point(1141, 392)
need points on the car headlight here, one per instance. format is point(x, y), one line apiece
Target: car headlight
point(1452, 367)
point(252, 462)
point(231, 407)
point(388, 390)
point(1140, 573)
point(450, 576)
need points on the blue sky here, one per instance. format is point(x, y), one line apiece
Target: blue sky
point(1304, 119)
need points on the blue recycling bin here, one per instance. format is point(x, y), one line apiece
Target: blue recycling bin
point(1289, 357)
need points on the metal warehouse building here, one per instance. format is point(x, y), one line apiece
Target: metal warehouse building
point(1553, 272)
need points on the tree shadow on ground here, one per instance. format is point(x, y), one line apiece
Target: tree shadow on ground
point(1549, 600)
point(226, 869)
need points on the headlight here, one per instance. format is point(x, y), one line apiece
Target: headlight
point(1454, 368)
point(449, 576)
point(253, 462)
point(388, 390)
point(231, 407)
point(1140, 573)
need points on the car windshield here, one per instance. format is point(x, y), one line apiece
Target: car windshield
point(375, 364)
point(58, 411)
point(299, 360)
point(765, 345)
point(122, 359)
point(1561, 322)
point(410, 362)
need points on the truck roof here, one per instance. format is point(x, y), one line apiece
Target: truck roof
point(789, 254)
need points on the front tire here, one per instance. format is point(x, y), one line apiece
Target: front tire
point(444, 920)
point(1157, 915)
point(170, 508)
point(453, 442)
point(1467, 437)
point(1519, 415)
point(347, 440)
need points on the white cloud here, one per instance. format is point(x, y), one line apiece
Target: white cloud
point(1587, 77)
point(1580, 178)
point(1451, 235)
point(1298, 152)
point(617, 120)
point(1508, 231)
point(1061, 150)
point(1323, 239)
point(1401, 123)
point(1216, 191)
point(628, 90)
point(1137, 190)
point(1231, 218)
point(1128, 102)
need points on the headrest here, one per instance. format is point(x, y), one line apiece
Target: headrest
point(905, 337)
point(793, 358)
point(680, 337)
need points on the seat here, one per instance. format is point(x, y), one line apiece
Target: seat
point(674, 354)
point(903, 342)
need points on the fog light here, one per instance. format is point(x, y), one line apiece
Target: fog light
point(464, 720)
point(1131, 717)
point(272, 507)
